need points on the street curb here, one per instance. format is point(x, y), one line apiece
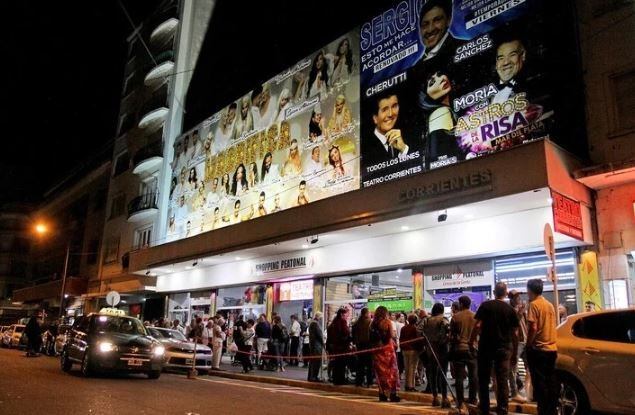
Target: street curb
point(419, 397)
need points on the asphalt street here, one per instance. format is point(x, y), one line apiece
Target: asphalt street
point(38, 386)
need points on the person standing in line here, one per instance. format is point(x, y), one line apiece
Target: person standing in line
point(279, 336)
point(361, 340)
point(497, 325)
point(304, 336)
point(243, 333)
point(189, 330)
point(263, 334)
point(33, 333)
point(542, 350)
point(384, 339)
point(463, 356)
point(423, 358)
point(206, 333)
point(398, 322)
point(316, 346)
point(294, 333)
point(338, 341)
point(176, 325)
point(437, 331)
point(411, 346)
point(197, 331)
point(519, 349)
point(218, 336)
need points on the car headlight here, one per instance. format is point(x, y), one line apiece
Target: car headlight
point(106, 347)
point(158, 351)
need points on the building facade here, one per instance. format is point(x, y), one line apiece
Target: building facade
point(161, 50)
point(406, 243)
point(607, 32)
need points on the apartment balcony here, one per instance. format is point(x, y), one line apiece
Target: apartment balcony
point(143, 207)
point(165, 30)
point(164, 65)
point(154, 111)
point(148, 158)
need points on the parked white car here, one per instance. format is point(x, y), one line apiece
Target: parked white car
point(11, 337)
point(179, 352)
point(596, 362)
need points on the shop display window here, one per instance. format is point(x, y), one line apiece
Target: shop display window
point(392, 289)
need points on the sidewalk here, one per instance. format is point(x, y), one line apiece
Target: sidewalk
point(296, 376)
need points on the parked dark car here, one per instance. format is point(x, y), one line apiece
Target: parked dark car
point(111, 342)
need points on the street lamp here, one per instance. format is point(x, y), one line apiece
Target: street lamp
point(41, 229)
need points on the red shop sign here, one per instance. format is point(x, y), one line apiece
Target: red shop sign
point(567, 216)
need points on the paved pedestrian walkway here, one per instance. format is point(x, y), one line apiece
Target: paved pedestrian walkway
point(297, 376)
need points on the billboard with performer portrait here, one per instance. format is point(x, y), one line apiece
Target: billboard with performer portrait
point(444, 81)
point(290, 141)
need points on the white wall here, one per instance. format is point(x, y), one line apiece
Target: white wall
point(516, 232)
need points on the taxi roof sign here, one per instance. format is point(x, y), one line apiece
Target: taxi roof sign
point(110, 311)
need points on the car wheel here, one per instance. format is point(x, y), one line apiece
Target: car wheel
point(65, 362)
point(572, 399)
point(154, 374)
point(87, 369)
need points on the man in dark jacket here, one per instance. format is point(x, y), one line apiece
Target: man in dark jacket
point(338, 341)
point(34, 337)
point(361, 340)
point(316, 342)
point(263, 334)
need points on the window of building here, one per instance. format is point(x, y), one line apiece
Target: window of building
point(143, 237)
point(122, 163)
point(117, 205)
point(111, 251)
point(623, 92)
point(612, 327)
point(392, 289)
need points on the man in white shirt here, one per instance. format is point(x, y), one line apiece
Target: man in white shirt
point(212, 197)
point(294, 334)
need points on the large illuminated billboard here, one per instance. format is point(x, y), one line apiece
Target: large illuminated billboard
point(445, 81)
point(423, 85)
point(288, 142)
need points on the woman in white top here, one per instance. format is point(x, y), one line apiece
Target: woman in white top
point(318, 82)
point(342, 63)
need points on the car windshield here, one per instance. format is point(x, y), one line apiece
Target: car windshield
point(114, 324)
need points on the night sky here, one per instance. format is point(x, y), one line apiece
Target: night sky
point(63, 63)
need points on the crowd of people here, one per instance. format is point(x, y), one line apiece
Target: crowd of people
point(384, 348)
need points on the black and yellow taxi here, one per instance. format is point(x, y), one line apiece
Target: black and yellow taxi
point(110, 341)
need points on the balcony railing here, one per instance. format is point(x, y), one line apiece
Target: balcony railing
point(143, 202)
point(152, 150)
point(166, 55)
point(158, 100)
